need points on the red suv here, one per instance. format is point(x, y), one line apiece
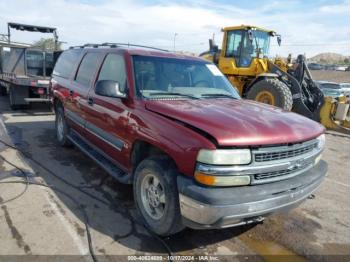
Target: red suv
point(197, 154)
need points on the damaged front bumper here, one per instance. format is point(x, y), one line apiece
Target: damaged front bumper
point(214, 207)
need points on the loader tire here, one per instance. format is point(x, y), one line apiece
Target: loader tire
point(273, 92)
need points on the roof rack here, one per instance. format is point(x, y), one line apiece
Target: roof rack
point(86, 45)
point(115, 45)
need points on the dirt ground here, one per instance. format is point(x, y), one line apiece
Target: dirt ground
point(332, 76)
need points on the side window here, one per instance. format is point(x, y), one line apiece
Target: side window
point(87, 69)
point(234, 43)
point(113, 68)
point(66, 62)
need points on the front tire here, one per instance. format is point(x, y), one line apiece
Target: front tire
point(273, 92)
point(156, 195)
point(61, 127)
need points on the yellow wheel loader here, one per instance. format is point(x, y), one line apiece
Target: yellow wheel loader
point(244, 60)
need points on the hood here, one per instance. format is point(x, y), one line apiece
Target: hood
point(239, 122)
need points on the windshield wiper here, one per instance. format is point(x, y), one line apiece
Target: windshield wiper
point(172, 94)
point(218, 95)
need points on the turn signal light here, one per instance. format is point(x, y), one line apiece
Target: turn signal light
point(225, 180)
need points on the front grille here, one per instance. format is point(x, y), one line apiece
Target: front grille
point(271, 156)
point(295, 159)
point(280, 173)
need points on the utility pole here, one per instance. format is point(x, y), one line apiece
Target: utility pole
point(174, 40)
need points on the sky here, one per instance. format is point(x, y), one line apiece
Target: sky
point(307, 27)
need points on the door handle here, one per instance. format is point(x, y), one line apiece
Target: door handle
point(90, 101)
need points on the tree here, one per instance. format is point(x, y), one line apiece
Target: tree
point(346, 61)
point(47, 43)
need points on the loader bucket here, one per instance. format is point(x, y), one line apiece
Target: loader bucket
point(334, 114)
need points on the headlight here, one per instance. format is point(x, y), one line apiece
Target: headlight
point(321, 141)
point(224, 156)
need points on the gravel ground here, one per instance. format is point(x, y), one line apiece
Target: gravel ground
point(332, 76)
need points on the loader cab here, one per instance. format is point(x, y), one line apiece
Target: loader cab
point(245, 50)
point(245, 45)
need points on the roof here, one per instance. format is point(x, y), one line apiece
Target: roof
point(246, 27)
point(145, 52)
point(141, 50)
point(31, 28)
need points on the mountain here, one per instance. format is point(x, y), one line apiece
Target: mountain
point(330, 58)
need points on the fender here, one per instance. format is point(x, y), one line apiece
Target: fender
point(175, 143)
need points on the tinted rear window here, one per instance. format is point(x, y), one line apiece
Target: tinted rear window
point(66, 62)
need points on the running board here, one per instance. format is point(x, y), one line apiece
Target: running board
point(37, 99)
point(101, 160)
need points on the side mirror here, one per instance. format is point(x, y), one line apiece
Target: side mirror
point(109, 88)
point(212, 47)
point(279, 40)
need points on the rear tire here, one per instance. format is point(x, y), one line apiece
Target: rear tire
point(156, 195)
point(61, 127)
point(271, 91)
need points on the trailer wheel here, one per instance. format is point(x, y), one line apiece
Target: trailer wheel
point(17, 96)
point(273, 92)
point(12, 95)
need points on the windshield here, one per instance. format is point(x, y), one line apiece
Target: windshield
point(157, 77)
point(261, 40)
point(243, 49)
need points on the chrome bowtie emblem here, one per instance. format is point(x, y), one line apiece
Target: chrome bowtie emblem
point(297, 164)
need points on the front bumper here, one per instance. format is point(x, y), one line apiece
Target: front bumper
point(210, 207)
